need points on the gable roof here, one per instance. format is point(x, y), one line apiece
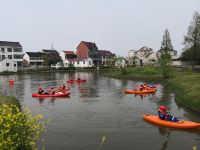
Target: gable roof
point(89, 45)
point(105, 53)
point(8, 43)
point(35, 54)
point(143, 49)
point(69, 52)
point(48, 51)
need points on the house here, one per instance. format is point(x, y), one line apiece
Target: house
point(11, 50)
point(33, 58)
point(66, 56)
point(8, 64)
point(145, 55)
point(51, 57)
point(121, 62)
point(173, 53)
point(82, 62)
point(106, 57)
point(88, 50)
point(131, 53)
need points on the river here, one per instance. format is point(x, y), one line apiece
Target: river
point(98, 116)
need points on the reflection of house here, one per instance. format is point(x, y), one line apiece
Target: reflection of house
point(173, 53)
point(106, 57)
point(33, 58)
point(11, 50)
point(82, 62)
point(8, 65)
point(66, 56)
point(88, 50)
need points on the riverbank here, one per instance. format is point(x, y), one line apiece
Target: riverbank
point(184, 83)
point(9, 100)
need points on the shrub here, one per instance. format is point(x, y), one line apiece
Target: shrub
point(19, 131)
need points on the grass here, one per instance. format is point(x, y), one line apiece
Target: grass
point(9, 100)
point(184, 83)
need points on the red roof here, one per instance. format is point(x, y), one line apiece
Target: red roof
point(69, 52)
point(89, 45)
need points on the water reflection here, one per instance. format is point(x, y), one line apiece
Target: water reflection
point(164, 132)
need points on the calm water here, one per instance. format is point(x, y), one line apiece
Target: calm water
point(98, 108)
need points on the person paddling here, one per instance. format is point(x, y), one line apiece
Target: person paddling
point(164, 115)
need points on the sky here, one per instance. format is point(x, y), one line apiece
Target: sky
point(115, 25)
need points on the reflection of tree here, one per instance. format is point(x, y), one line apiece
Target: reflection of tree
point(165, 98)
point(164, 131)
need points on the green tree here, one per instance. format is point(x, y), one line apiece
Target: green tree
point(192, 39)
point(164, 62)
point(164, 59)
point(166, 44)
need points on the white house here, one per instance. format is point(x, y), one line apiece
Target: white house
point(121, 63)
point(145, 55)
point(33, 58)
point(66, 56)
point(82, 62)
point(11, 50)
point(8, 65)
point(131, 53)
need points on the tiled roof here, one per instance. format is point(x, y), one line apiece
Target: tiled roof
point(69, 52)
point(8, 43)
point(35, 54)
point(50, 51)
point(90, 45)
point(105, 53)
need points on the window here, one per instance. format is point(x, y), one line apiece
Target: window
point(15, 65)
point(78, 62)
point(3, 57)
point(10, 56)
point(18, 56)
point(9, 49)
point(83, 62)
point(17, 50)
point(7, 64)
point(3, 50)
point(89, 62)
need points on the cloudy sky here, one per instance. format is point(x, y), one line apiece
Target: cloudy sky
point(116, 25)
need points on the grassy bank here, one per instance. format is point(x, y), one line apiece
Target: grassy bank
point(184, 83)
point(186, 86)
point(146, 73)
point(9, 100)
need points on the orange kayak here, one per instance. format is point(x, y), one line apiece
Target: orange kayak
point(152, 90)
point(180, 125)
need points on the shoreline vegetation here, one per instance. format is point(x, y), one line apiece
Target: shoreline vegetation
point(184, 83)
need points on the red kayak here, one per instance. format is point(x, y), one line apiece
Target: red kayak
point(51, 95)
point(73, 81)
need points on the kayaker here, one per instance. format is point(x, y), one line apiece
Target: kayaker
point(62, 87)
point(40, 91)
point(78, 78)
point(164, 115)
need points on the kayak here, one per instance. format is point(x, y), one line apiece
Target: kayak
point(152, 90)
point(183, 124)
point(51, 95)
point(73, 81)
point(59, 90)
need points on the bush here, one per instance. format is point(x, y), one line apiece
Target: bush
point(19, 131)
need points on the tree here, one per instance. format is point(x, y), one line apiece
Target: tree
point(166, 44)
point(192, 39)
point(164, 60)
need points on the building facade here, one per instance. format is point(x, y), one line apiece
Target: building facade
point(66, 56)
point(11, 50)
point(33, 59)
point(88, 50)
point(82, 62)
point(8, 65)
point(106, 57)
